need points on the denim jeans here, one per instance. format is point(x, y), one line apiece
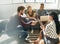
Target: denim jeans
point(22, 35)
point(49, 40)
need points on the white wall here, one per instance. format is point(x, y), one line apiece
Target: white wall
point(6, 10)
point(59, 4)
point(47, 5)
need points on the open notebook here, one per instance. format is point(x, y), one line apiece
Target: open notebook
point(44, 18)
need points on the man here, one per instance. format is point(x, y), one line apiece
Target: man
point(17, 22)
point(41, 11)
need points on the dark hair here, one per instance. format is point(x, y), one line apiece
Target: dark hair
point(20, 8)
point(42, 4)
point(55, 17)
point(33, 12)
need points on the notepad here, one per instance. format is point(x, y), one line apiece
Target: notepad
point(43, 18)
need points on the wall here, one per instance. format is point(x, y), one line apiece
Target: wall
point(59, 4)
point(7, 10)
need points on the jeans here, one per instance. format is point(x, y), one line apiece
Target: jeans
point(22, 35)
point(49, 40)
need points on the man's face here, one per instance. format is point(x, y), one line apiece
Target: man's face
point(21, 12)
point(41, 7)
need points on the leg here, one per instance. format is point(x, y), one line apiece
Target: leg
point(41, 41)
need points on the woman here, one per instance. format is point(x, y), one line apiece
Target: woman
point(30, 13)
point(35, 18)
point(32, 17)
point(51, 30)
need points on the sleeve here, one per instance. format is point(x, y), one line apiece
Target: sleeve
point(24, 23)
point(12, 24)
point(45, 12)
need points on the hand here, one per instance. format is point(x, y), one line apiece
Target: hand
point(42, 27)
point(33, 23)
point(34, 18)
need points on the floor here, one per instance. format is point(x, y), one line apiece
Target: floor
point(10, 37)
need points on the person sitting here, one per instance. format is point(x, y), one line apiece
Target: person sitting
point(16, 22)
point(41, 11)
point(49, 34)
point(32, 15)
point(29, 13)
point(36, 18)
point(51, 30)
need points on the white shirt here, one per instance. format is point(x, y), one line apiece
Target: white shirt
point(24, 15)
point(50, 30)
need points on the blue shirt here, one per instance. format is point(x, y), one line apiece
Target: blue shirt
point(41, 13)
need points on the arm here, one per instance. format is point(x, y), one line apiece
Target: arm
point(24, 23)
point(45, 29)
point(27, 23)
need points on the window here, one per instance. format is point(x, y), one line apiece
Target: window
point(29, 0)
point(18, 1)
point(50, 1)
point(40, 1)
point(22, 1)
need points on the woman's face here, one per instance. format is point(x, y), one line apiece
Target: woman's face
point(30, 9)
point(50, 18)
